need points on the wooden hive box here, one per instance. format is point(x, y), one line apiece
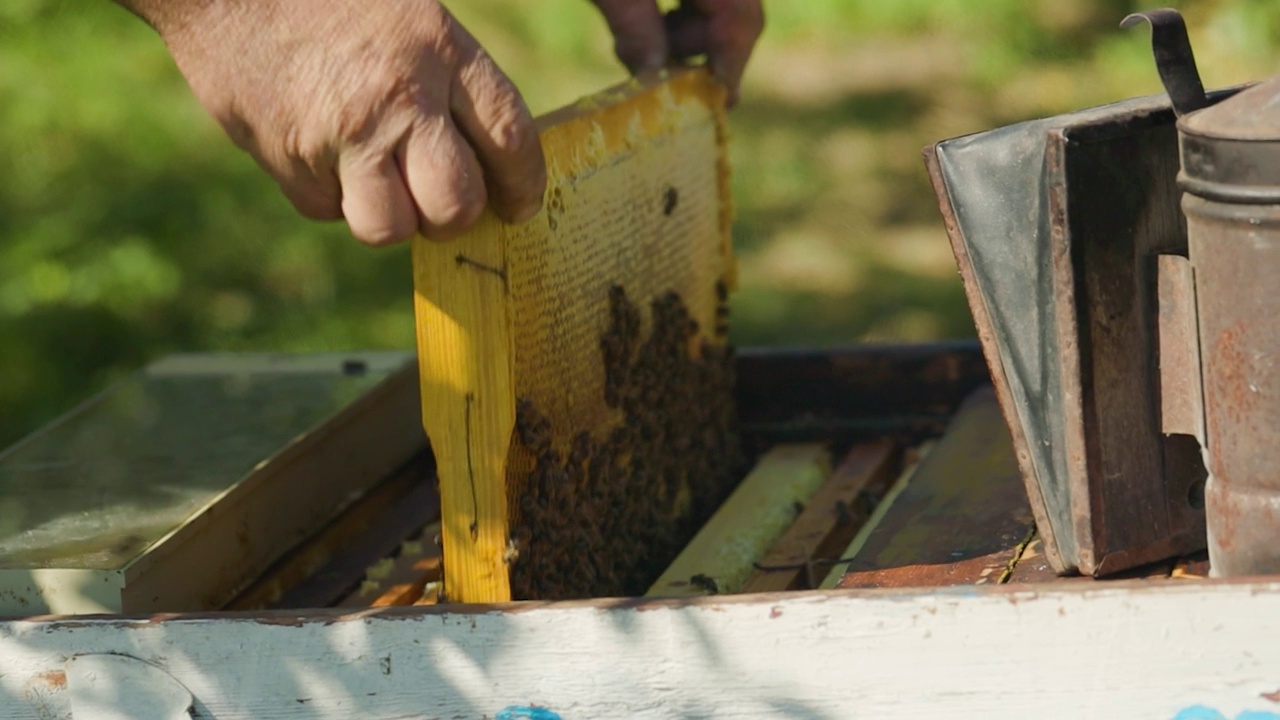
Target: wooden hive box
point(176, 487)
point(1172, 645)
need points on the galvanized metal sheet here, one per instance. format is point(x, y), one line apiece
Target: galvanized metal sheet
point(1053, 223)
point(90, 505)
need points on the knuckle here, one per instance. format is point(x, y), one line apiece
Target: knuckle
point(324, 210)
point(528, 191)
point(513, 130)
point(311, 202)
point(502, 112)
point(358, 120)
point(464, 213)
point(458, 213)
point(383, 234)
point(313, 150)
point(239, 130)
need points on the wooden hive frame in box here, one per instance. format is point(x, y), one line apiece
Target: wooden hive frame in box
point(576, 362)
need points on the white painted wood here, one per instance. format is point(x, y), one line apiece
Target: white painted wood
point(1123, 650)
point(119, 687)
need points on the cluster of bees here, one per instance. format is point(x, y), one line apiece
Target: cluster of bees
point(604, 514)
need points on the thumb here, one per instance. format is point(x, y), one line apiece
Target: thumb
point(639, 36)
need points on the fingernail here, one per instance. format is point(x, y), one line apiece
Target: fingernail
point(655, 59)
point(646, 59)
point(526, 212)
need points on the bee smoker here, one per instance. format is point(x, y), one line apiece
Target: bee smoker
point(1230, 178)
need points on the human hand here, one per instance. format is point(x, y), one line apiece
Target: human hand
point(724, 30)
point(387, 114)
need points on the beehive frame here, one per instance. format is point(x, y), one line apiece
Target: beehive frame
point(637, 212)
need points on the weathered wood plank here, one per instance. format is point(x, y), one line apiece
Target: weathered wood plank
point(1193, 567)
point(855, 393)
point(302, 562)
point(345, 569)
point(117, 687)
point(1033, 565)
point(720, 557)
point(400, 580)
point(1129, 649)
point(829, 521)
point(962, 519)
point(910, 462)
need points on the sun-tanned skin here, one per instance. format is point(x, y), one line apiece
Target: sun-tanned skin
point(390, 114)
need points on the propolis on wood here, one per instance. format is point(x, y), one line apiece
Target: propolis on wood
point(574, 369)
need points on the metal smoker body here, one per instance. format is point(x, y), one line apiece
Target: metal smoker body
point(1231, 182)
point(1230, 177)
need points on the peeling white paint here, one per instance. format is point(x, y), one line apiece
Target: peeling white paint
point(1126, 650)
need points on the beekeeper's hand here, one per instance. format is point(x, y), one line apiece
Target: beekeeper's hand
point(387, 114)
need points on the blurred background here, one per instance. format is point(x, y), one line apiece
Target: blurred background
point(130, 227)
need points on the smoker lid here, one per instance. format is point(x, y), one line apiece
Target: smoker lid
point(1231, 150)
point(1252, 115)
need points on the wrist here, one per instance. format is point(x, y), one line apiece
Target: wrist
point(168, 16)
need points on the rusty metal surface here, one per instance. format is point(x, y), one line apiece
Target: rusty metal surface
point(994, 194)
point(1230, 155)
point(1055, 225)
point(1182, 404)
point(963, 516)
point(1236, 251)
point(1032, 568)
point(1120, 211)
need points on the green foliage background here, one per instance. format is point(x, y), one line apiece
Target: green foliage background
point(129, 226)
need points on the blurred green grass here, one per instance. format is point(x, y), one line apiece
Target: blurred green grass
point(129, 226)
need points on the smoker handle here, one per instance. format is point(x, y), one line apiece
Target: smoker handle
point(1175, 61)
